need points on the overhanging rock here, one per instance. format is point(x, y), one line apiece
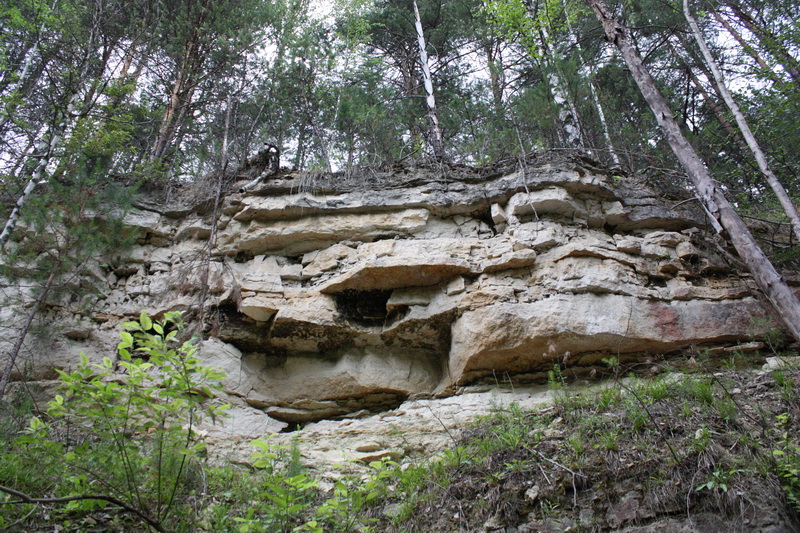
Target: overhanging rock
point(345, 294)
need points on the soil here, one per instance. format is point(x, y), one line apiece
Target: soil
point(675, 453)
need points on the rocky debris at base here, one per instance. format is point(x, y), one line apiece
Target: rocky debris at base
point(416, 429)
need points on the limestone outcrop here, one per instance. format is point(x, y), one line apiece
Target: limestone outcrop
point(332, 296)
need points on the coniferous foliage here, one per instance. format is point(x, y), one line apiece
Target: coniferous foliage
point(336, 90)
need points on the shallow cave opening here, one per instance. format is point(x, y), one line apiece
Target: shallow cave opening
point(367, 307)
point(243, 256)
point(291, 427)
point(655, 281)
point(485, 216)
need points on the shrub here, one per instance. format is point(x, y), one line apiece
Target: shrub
point(123, 432)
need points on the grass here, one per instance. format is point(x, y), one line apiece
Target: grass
point(724, 445)
point(733, 452)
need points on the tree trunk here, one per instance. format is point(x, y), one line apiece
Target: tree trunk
point(182, 89)
point(772, 179)
point(436, 138)
point(494, 60)
point(315, 130)
point(711, 198)
point(567, 112)
point(712, 104)
point(14, 86)
point(300, 154)
point(587, 72)
point(44, 151)
point(406, 65)
point(27, 62)
point(165, 131)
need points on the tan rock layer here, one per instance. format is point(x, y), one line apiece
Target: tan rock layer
point(331, 297)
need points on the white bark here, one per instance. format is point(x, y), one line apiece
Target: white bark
point(719, 79)
point(17, 83)
point(587, 73)
point(437, 139)
point(567, 112)
point(27, 63)
point(253, 183)
point(772, 285)
point(44, 151)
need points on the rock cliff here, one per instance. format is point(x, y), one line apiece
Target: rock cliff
point(336, 296)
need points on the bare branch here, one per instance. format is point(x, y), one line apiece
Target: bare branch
point(24, 498)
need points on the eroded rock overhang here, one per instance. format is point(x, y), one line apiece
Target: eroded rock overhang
point(330, 295)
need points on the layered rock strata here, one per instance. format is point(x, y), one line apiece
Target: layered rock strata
point(330, 296)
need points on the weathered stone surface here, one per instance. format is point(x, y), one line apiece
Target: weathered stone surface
point(291, 237)
point(241, 422)
point(549, 201)
point(334, 295)
point(293, 387)
point(531, 336)
point(417, 427)
point(147, 222)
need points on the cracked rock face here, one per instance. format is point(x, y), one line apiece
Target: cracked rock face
point(335, 296)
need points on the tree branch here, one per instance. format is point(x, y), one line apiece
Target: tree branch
point(24, 498)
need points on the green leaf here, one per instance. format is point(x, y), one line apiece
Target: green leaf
point(35, 424)
point(127, 340)
point(145, 321)
point(132, 326)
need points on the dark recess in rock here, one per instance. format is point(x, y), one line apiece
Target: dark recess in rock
point(367, 308)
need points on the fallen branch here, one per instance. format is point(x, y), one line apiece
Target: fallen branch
point(572, 472)
point(24, 498)
point(268, 161)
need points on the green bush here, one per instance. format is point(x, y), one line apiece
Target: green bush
point(123, 432)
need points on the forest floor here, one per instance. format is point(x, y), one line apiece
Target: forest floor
point(693, 450)
point(708, 446)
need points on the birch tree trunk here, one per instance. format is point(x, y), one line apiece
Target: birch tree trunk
point(587, 72)
point(436, 138)
point(768, 41)
point(719, 79)
point(27, 63)
point(710, 196)
point(44, 150)
point(567, 112)
point(15, 85)
point(779, 82)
